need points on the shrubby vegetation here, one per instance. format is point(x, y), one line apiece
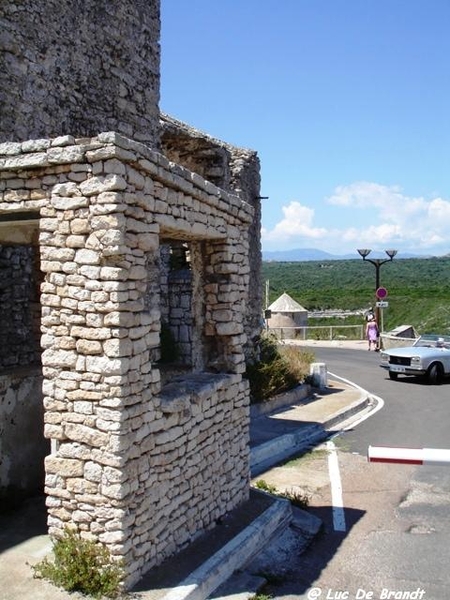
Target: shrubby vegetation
point(280, 368)
point(418, 289)
point(81, 565)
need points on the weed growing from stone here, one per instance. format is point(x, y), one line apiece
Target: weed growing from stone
point(81, 565)
point(299, 499)
point(261, 484)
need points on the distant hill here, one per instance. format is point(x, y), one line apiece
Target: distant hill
point(306, 254)
point(299, 254)
point(418, 288)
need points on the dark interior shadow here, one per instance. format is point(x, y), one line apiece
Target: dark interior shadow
point(19, 524)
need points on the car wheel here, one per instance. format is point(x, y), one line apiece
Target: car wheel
point(393, 375)
point(434, 374)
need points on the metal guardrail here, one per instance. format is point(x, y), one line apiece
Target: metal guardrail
point(319, 332)
point(394, 341)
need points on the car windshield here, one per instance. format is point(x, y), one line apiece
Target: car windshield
point(432, 340)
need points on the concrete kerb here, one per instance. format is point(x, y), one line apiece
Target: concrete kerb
point(207, 578)
point(244, 585)
point(270, 453)
point(249, 579)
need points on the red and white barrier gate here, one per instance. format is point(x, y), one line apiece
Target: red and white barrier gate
point(409, 456)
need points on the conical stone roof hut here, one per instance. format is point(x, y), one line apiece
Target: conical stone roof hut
point(287, 316)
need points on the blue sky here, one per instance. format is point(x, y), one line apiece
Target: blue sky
point(347, 103)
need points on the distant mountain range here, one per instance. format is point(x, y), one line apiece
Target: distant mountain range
point(305, 254)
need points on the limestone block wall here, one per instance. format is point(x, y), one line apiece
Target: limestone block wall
point(197, 464)
point(127, 455)
point(79, 68)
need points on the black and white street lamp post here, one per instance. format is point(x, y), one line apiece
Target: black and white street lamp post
point(376, 262)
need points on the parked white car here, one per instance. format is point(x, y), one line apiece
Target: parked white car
point(428, 356)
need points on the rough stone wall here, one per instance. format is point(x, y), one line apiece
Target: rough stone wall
point(140, 468)
point(79, 67)
point(19, 307)
point(236, 170)
point(180, 314)
point(176, 303)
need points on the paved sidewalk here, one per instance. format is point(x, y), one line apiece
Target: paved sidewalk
point(295, 428)
point(345, 344)
point(210, 561)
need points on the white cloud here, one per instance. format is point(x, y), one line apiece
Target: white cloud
point(396, 219)
point(439, 209)
point(371, 215)
point(364, 194)
point(373, 235)
point(296, 224)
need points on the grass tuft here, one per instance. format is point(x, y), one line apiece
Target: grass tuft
point(297, 498)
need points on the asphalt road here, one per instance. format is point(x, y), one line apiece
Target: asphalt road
point(396, 539)
point(415, 414)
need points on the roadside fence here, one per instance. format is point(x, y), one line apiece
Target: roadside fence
point(319, 332)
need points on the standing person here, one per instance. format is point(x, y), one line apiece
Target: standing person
point(372, 334)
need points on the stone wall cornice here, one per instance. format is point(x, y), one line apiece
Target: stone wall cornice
point(42, 154)
point(178, 127)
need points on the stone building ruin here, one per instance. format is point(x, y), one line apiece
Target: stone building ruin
point(130, 291)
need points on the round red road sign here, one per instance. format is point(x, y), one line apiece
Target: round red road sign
point(381, 293)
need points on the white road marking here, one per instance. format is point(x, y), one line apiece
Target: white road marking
point(379, 403)
point(336, 488)
point(333, 463)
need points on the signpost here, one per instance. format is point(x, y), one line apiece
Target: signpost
point(381, 293)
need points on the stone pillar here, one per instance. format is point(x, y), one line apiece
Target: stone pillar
point(98, 333)
point(226, 287)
